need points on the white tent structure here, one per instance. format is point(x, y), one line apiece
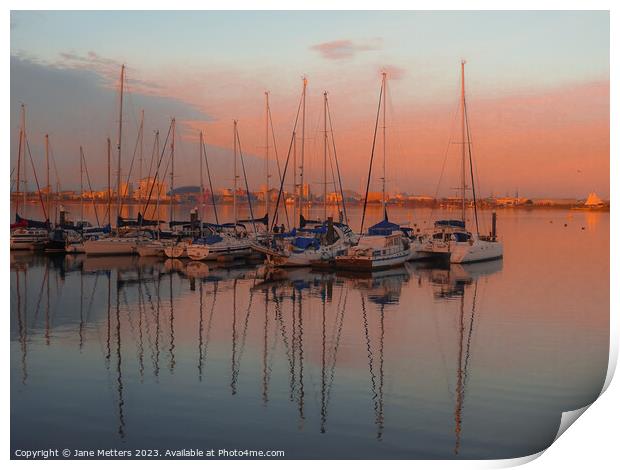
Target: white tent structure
point(594, 201)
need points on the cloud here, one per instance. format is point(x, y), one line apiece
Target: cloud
point(108, 69)
point(75, 106)
point(345, 48)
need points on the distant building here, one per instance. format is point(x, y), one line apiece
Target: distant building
point(334, 198)
point(126, 190)
point(351, 196)
point(377, 196)
point(150, 186)
point(273, 195)
point(421, 198)
point(510, 201)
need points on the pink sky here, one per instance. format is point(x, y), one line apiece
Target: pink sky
point(538, 92)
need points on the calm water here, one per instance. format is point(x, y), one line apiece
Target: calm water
point(472, 361)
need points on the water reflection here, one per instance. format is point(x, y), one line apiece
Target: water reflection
point(274, 344)
point(134, 296)
point(449, 281)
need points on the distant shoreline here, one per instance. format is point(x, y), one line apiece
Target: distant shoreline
point(437, 204)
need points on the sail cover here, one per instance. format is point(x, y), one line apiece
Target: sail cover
point(385, 227)
point(22, 222)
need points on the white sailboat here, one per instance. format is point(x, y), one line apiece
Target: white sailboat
point(319, 244)
point(451, 238)
point(157, 247)
point(385, 245)
point(215, 246)
point(114, 245)
point(27, 238)
point(26, 234)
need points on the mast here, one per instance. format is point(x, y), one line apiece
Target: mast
point(81, 184)
point(463, 140)
point(383, 197)
point(25, 181)
point(158, 186)
point(120, 138)
point(202, 188)
point(295, 179)
point(141, 133)
point(172, 170)
point(372, 157)
point(235, 171)
point(325, 155)
point(303, 145)
point(331, 130)
point(19, 158)
point(267, 152)
point(47, 169)
point(109, 152)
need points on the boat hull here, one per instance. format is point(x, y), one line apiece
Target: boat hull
point(198, 252)
point(75, 248)
point(234, 250)
point(109, 247)
point(176, 251)
point(366, 264)
point(55, 246)
point(26, 239)
point(150, 250)
point(480, 250)
point(22, 245)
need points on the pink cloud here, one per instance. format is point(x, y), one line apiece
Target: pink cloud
point(345, 48)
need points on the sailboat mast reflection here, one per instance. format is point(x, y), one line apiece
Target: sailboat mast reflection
point(141, 315)
point(21, 327)
point(462, 366)
point(203, 340)
point(200, 330)
point(301, 363)
point(47, 304)
point(171, 349)
point(119, 374)
point(288, 349)
point(237, 355)
point(233, 360)
point(265, 394)
point(377, 391)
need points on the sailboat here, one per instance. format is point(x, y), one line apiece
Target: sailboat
point(26, 234)
point(385, 245)
point(150, 248)
point(451, 238)
point(314, 242)
point(126, 243)
point(85, 229)
point(229, 240)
